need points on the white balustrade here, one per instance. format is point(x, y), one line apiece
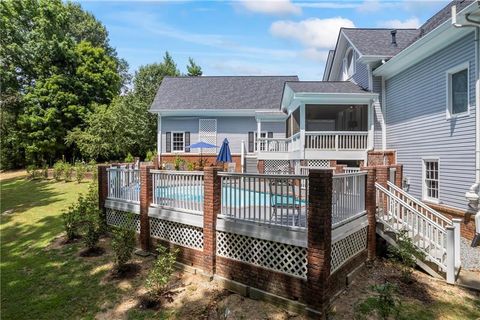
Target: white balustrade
point(348, 197)
point(266, 199)
point(123, 184)
point(336, 140)
point(178, 190)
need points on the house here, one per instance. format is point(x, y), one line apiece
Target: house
point(406, 96)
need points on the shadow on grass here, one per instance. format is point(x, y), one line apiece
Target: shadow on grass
point(19, 195)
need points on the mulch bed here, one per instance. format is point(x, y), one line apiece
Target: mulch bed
point(128, 271)
point(92, 252)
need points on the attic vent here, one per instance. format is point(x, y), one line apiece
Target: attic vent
point(394, 37)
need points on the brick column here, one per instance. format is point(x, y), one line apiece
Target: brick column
point(102, 178)
point(340, 168)
point(319, 238)
point(211, 208)
point(145, 200)
point(371, 207)
point(261, 166)
point(398, 175)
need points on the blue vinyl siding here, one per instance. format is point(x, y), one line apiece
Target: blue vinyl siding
point(417, 126)
point(361, 73)
point(235, 129)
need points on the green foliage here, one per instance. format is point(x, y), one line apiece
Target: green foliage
point(58, 169)
point(191, 166)
point(71, 219)
point(56, 62)
point(129, 158)
point(405, 254)
point(123, 243)
point(178, 162)
point(91, 227)
point(80, 171)
point(161, 272)
point(45, 171)
point(33, 172)
point(384, 302)
point(67, 172)
point(151, 155)
point(194, 70)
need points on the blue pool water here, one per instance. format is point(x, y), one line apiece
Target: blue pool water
point(235, 197)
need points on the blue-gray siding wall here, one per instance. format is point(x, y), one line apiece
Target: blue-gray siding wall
point(417, 126)
point(235, 129)
point(361, 73)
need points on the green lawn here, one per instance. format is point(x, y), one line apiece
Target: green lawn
point(37, 283)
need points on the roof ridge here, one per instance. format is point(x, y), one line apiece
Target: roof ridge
point(344, 28)
point(243, 76)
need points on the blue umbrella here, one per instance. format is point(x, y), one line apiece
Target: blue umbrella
point(200, 145)
point(224, 155)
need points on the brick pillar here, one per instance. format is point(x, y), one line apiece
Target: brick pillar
point(340, 168)
point(370, 204)
point(102, 190)
point(333, 163)
point(145, 200)
point(319, 238)
point(398, 175)
point(211, 208)
point(261, 166)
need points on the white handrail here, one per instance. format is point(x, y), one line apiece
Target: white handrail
point(123, 184)
point(348, 196)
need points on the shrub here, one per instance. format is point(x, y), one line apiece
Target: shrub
point(45, 171)
point(67, 172)
point(58, 169)
point(91, 228)
point(123, 244)
point(178, 162)
point(384, 302)
point(161, 272)
point(71, 219)
point(80, 171)
point(150, 155)
point(405, 254)
point(191, 166)
point(129, 158)
point(33, 172)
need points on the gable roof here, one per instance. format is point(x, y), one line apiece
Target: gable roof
point(325, 87)
point(220, 92)
point(378, 42)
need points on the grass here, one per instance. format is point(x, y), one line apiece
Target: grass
point(38, 283)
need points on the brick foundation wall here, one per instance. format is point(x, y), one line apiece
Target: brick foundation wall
point(264, 279)
point(377, 158)
point(211, 159)
point(338, 280)
point(188, 256)
point(467, 227)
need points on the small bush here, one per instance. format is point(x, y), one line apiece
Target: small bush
point(58, 169)
point(405, 254)
point(123, 244)
point(68, 172)
point(33, 172)
point(384, 302)
point(91, 228)
point(191, 166)
point(161, 272)
point(151, 155)
point(80, 171)
point(178, 163)
point(71, 219)
point(129, 158)
point(45, 171)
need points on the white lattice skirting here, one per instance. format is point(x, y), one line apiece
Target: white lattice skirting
point(268, 254)
point(277, 166)
point(346, 248)
point(177, 233)
point(121, 218)
point(319, 163)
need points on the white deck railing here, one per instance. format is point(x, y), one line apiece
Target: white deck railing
point(336, 140)
point(280, 145)
point(348, 197)
point(178, 190)
point(123, 184)
point(351, 170)
point(266, 199)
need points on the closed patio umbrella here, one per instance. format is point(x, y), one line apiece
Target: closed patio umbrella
point(200, 145)
point(224, 155)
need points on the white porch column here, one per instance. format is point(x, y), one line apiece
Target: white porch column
point(302, 130)
point(159, 134)
point(259, 130)
point(371, 124)
point(242, 157)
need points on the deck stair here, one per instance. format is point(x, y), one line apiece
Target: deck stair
point(436, 236)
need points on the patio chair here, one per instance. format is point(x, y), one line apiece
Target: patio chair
point(284, 201)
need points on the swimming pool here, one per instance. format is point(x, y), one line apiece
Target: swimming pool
point(233, 197)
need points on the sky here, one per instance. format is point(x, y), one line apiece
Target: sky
point(272, 37)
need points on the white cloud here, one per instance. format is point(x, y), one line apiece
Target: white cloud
point(313, 33)
point(369, 6)
point(315, 54)
point(276, 7)
point(413, 22)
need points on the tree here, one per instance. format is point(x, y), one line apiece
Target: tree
point(55, 62)
point(194, 70)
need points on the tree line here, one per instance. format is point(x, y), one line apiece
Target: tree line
point(64, 91)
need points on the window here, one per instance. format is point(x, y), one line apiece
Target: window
point(457, 97)
point(178, 141)
point(262, 143)
point(430, 180)
point(348, 64)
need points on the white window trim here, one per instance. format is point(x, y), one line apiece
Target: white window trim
point(424, 185)
point(449, 73)
point(171, 142)
point(345, 75)
point(255, 139)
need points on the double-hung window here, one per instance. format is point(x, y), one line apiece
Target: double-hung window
point(431, 180)
point(457, 91)
point(178, 141)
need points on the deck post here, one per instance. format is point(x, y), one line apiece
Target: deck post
point(211, 209)
point(319, 238)
point(450, 254)
point(457, 222)
point(370, 204)
point(145, 200)
point(102, 190)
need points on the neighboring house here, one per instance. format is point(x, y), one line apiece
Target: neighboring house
point(409, 96)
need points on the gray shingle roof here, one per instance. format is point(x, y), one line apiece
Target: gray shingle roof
point(222, 92)
point(378, 42)
point(325, 87)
